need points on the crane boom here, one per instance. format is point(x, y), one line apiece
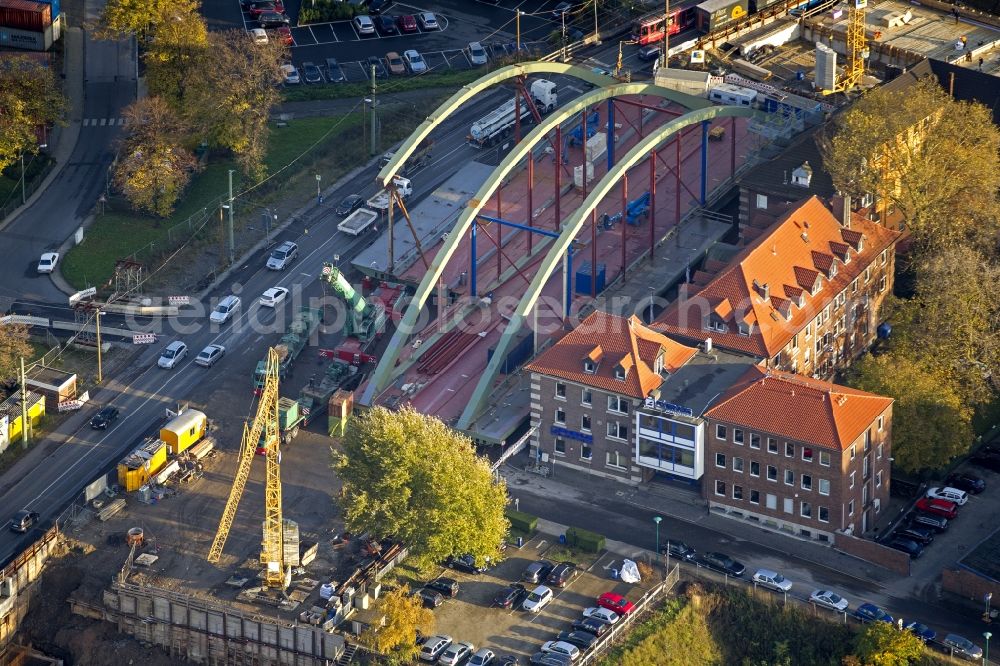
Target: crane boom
point(265, 421)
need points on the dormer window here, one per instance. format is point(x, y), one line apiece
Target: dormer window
point(847, 256)
point(817, 285)
point(658, 364)
point(800, 300)
point(802, 176)
point(832, 273)
point(589, 367)
point(744, 328)
point(619, 372)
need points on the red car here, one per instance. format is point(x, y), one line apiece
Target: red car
point(938, 507)
point(285, 35)
point(407, 23)
point(615, 602)
point(258, 8)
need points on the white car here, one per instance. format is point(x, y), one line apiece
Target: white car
point(772, 580)
point(226, 308)
point(48, 262)
point(291, 74)
point(259, 35)
point(538, 599)
point(273, 296)
point(209, 355)
point(959, 497)
point(428, 21)
point(828, 599)
point(456, 653)
point(602, 614)
point(477, 54)
point(563, 648)
point(172, 355)
point(415, 61)
point(364, 25)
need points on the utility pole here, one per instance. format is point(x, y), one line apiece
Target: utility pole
point(597, 32)
point(666, 33)
point(517, 44)
point(222, 235)
point(373, 148)
point(232, 242)
point(100, 374)
point(24, 199)
point(563, 17)
point(25, 424)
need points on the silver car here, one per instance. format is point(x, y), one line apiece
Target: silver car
point(210, 355)
point(456, 653)
point(477, 54)
point(172, 355)
point(415, 61)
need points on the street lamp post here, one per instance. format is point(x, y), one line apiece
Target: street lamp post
point(986, 653)
point(319, 195)
point(987, 597)
point(650, 305)
point(100, 373)
point(657, 519)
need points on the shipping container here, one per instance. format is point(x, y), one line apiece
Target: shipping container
point(183, 430)
point(138, 467)
point(583, 278)
point(717, 14)
point(56, 9)
point(25, 15)
point(27, 40)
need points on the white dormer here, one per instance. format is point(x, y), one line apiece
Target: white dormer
point(589, 367)
point(802, 176)
point(619, 372)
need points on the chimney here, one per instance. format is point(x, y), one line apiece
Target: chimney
point(767, 291)
point(846, 213)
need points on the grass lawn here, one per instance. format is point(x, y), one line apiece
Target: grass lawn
point(448, 79)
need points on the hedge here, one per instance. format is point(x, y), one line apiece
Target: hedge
point(522, 522)
point(590, 542)
point(326, 10)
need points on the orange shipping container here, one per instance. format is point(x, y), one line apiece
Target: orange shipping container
point(25, 15)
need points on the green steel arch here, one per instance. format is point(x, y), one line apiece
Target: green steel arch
point(467, 92)
point(571, 228)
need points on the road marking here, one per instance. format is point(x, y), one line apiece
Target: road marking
point(540, 544)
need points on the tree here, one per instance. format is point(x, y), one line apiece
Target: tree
point(410, 477)
point(153, 168)
point(935, 159)
point(404, 616)
point(14, 346)
point(179, 50)
point(140, 17)
point(882, 644)
point(30, 98)
point(930, 422)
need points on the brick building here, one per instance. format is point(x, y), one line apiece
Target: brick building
point(803, 297)
point(799, 455)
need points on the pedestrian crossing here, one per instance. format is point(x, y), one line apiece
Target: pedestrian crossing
point(103, 122)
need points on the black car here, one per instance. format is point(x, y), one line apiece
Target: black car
point(375, 6)
point(649, 53)
point(23, 520)
point(334, 74)
point(680, 550)
point(582, 639)
point(970, 483)
point(104, 418)
point(349, 204)
point(376, 62)
point(511, 596)
point(549, 659)
point(922, 535)
point(466, 563)
point(591, 626)
point(908, 546)
point(987, 459)
point(723, 564)
point(386, 24)
point(446, 586)
point(537, 572)
point(311, 73)
point(936, 523)
point(431, 598)
point(562, 574)
point(272, 20)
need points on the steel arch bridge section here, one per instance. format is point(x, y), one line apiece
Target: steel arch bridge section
point(469, 91)
point(387, 363)
point(571, 227)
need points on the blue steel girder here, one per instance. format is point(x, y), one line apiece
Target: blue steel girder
point(387, 364)
point(571, 227)
point(467, 92)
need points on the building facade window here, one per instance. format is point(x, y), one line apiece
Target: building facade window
point(754, 468)
point(720, 460)
point(720, 432)
point(737, 464)
point(789, 505)
point(585, 423)
point(854, 451)
point(617, 403)
point(824, 458)
point(878, 453)
point(737, 436)
point(560, 417)
point(806, 482)
point(560, 446)
point(586, 452)
point(807, 454)
point(881, 423)
point(720, 488)
point(772, 445)
point(755, 497)
point(824, 514)
point(586, 398)
point(737, 492)
point(771, 502)
point(852, 480)
point(772, 473)
point(617, 430)
point(824, 486)
point(878, 479)
point(805, 510)
point(789, 477)
point(617, 460)
point(850, 508)
point(754, 441)
point(560, 391)
point(789, 450)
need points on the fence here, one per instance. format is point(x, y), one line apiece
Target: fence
point(178, 234)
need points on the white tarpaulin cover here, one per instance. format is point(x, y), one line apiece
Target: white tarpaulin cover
point(629, 572)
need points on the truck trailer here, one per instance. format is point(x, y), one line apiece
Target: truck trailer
point(380, 201)
point(500, 122)
point(358, 222)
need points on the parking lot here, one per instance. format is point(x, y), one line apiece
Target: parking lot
point(472, 615)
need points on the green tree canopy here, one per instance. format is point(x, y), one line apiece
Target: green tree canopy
point(410, 477)
point(404, 615)
point(882, 644)
point(30, 98)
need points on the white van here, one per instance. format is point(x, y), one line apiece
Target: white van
point(959, 497)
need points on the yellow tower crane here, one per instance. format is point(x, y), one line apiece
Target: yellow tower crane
point(857, 49)
point(264, 427)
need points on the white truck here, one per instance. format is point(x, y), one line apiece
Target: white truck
point(381, 200)
point(501, 121)
point(357, 222)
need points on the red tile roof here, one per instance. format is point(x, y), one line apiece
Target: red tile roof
point(788, 259)
point(616, 342)
point(799, 408)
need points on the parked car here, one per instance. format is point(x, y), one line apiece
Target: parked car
point(962, 647)
point(582, 639)
point(386, 24)
point(431, 598)
point(364, 25)
point(349, 204)
point(908, 546)
point(172, 355)
point(922, 631)
point(395, 63)
point(273, 296)
point(311, 73)
point(649, 53)
point(284, 35)
point(871, 613)
point(23, 521)
point(466, 563)
point(772, 580)
point(936, 523)
point(604, 615)
point(922, 535)
point(290, 74)
point(680, 550)
point(415, 61)
point(483, 657)
point(272, 20)
point(282, 256)
point(258, 35)
point(376, 62)
point(937, 507)
point(447, 586)
point(591, 625)
point(510, 596)
point(258, 8)
point(210, 355)
point(723, 564)
point(47, 262)
point(433, 647)
point(548, 659)
point(970, 483)
point(537, 572)
point(537, 599)
point(334, 74)
point(407, 23)
point(615, 602)
point(225, 310)
point(562, 574)
point(563, 648)
point(477, 54)
point(456, 653)
point(104, 418)
point(828, 599)
point(959, 497)
point(375, 6)
point(987, 459)
point(428, 21)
